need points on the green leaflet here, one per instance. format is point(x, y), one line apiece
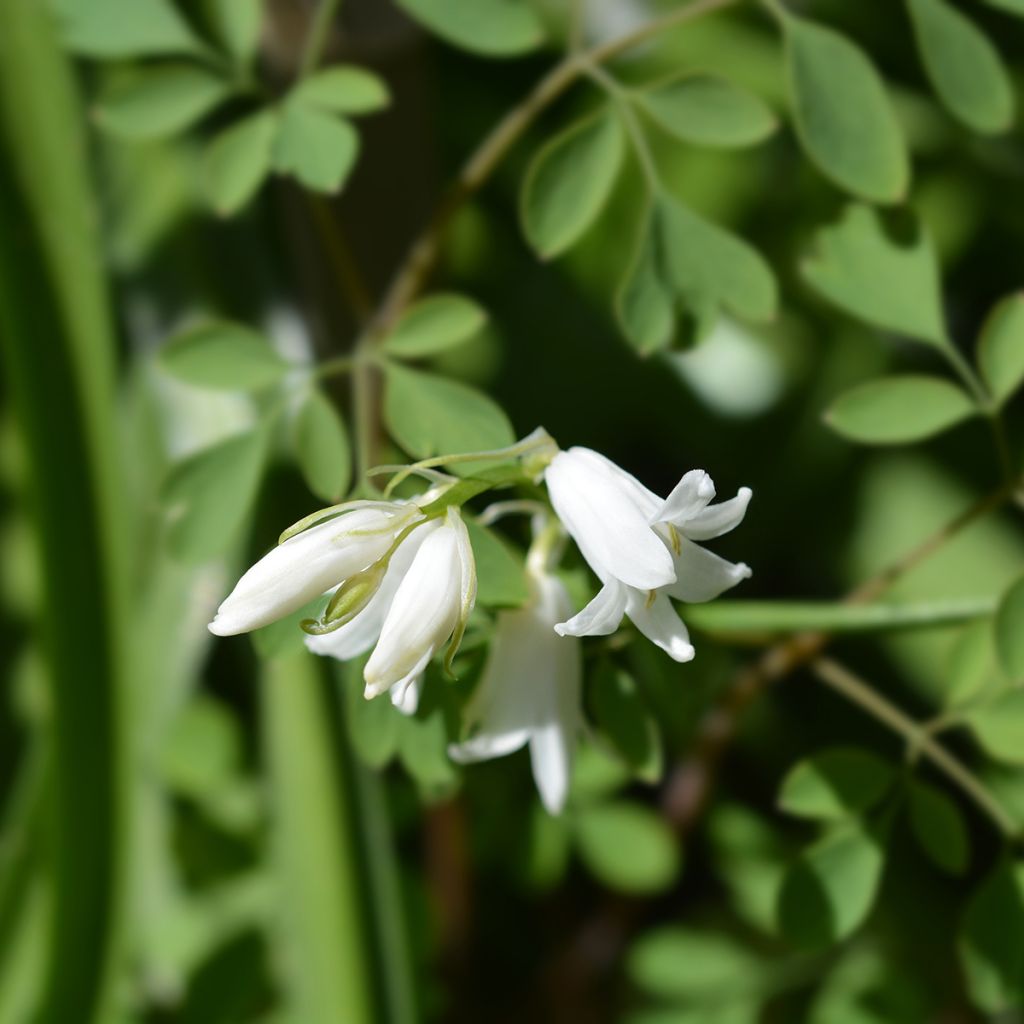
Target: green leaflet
point(343, 89)
point(238, 160)
point(1001, 348)
point(843, 117)
point(321, 445)
point(315, 147)
point(842, 782)
point(434, 324)
point(493, 28)
point(223, 356)
point(1009, 631)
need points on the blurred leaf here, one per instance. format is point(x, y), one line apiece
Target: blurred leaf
point(210, 495)
point(1001, 348)
point(325, 959)
point(678, 963)
point(626, 847)
point(343, 89)
point(317, 148)
point(999, 726)
point(125, 28)
point(644, 302)
point(939, 827)
point(829, 890)
point(964, 67)
point(430, 415)
point(494, 28)
point(899, 409)
point(285, 637)
point(372, 724)
point(202, 749)
point(890, 280)
point(1009, 631)
point(971, 664)
point(838, 783)
point(321, 447)
point(992, 941)
point(237, 24)
point(223, 356)
point(624, 720)
point(569, 181)
point(423, 751)
point(161, 101)
point(1012, 6)
point(500, 578)
point(238, 160)
point(707, 111)
point(844, 118)
point(547, 849)
point(434, 324)
point(595, 775)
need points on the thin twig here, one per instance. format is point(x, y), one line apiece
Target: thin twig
point(340, 255)
point(861, 693)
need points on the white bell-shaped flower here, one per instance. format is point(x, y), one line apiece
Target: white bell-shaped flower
point(641, 546)
point(529, 692)
point(311, 563)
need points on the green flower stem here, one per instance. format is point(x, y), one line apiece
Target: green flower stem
point(760, 617)
point(861, 693)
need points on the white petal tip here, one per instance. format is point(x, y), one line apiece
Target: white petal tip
point(682, 653)
point(743, 571)
point(745, 492)
point(706, 487)
point(220, 628)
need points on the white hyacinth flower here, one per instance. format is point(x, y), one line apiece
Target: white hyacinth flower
point(642, 547)
point(529, 692)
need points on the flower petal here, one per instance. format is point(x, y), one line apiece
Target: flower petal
point(718, 519)
point(604, 514)
point(687, 499)
point(599, 618)
point(661, 625)
point(551, 749)
point(406, 695)
point(305, 566)
point(703, 575)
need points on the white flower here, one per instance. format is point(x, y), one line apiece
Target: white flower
point(641, 546)
point(529, 692)
point(311, 563)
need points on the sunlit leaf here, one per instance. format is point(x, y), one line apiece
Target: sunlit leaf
point(321, 447)
point(707, 111)
point(125, 28)
point(838, 783)
point(317, 148)
point(939, 827)
point(971, 664)
point(884, 273)
point(843, 116)
point(1009, 631)
point(203, 747)
point(899, 409)
point(963, 65)
point(223, 356)
point(569, 182)
point(238, 161)
point(236, 23)
point(343, 89)
point(1001, 348)
point(434, 324)
point(161, 101)
point(500, 577)
point(495, 28)
point(644, 302)
point(998, 725)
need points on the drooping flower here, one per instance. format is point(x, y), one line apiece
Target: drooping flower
point(642, 547)
point(529, 692)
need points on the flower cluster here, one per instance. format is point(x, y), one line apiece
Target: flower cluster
point(400, 582)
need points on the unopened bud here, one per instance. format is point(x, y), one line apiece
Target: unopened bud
point(348, 600)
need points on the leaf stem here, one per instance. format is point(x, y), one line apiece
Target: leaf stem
point(316, 39)
point(861, 693)
point(633, 128)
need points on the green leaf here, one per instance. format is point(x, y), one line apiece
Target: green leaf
point(992, 941)
point(500, 578)
point(1009, 631)
point(434, 324)
point(971, 663)
point(238, 161)
point(124, 28)
point(644, 302)
point(899, 409)
point(844, 119)
point(1011, 6)
point(964, 67)
point(999, 727)
point(161, 101)
point(881, 272)
point(842, 782)
point(622, 718)
point(939, 827)
point(223, 356)
point(430, 415)
point(372, 724)
point(343, 89)
point(321, 447)
point(675, 963)
point(707, 111)
point(237, 23)
point(569, 181)
point(210, 495)
point(627, 847)
point(830, 889)
point(494, 28)
point(1001, 348)
point(316, 148)
point(203, 747)
point(284, 637)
